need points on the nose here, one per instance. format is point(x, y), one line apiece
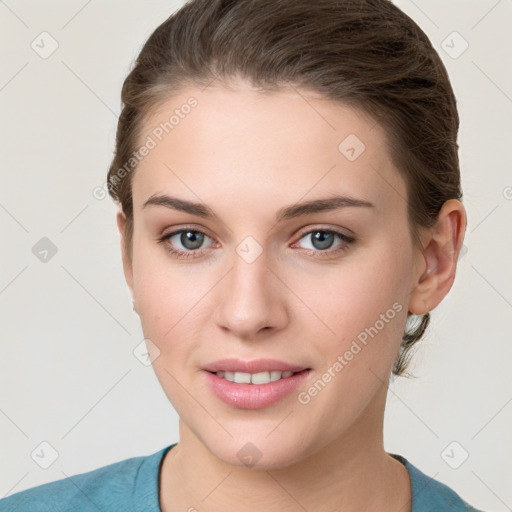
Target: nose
point(251, 301)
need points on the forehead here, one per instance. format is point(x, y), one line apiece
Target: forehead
point(239, 140)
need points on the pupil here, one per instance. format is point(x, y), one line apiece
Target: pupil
point(322, 240)
point(191, 239)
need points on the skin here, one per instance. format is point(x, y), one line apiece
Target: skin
point(246, 155)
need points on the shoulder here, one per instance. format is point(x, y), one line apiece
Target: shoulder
point(429, 495)
point(120, 486)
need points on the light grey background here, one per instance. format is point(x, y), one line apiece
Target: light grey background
point(68, 375)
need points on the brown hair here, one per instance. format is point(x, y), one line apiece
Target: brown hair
point(365, 53)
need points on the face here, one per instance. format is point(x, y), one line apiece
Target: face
point(270, 230)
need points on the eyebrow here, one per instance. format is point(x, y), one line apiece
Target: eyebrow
point(297, 210)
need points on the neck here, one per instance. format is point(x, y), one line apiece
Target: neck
point(349, 474)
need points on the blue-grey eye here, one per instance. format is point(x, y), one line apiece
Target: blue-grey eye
point(320, 240)
point(188, 239)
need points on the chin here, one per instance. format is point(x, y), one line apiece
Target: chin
point(259, 452)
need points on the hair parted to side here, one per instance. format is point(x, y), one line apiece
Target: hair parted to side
point(367, 54)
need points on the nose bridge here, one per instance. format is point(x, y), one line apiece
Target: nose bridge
point(250, 300)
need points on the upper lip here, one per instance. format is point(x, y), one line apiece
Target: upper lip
point(253, 366)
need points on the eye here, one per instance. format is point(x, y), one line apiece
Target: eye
point(323, 240)
point(185, 243)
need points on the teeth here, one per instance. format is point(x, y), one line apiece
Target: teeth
point(275, 375)
point(254, 378)
point(242, 378)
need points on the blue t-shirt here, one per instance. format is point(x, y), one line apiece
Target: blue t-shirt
point(131, 485)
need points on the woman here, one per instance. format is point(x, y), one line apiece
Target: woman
point(289, 191)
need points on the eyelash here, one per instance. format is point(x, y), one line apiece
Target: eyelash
point(196, 253)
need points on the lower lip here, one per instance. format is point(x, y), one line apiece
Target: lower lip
point(254, 396)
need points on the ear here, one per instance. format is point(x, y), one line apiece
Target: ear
point(127, 262)
point(441, 246)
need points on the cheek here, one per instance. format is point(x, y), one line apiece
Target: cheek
point(157, 308)
point(166, 302)
point(364, 305)
point(361, 304)
point(354, 295)
point(170, 297)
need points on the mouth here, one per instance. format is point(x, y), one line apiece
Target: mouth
point(258, 378)
point(254, 384)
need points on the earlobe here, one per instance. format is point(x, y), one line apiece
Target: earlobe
point(440, 253)
point(127, 262)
